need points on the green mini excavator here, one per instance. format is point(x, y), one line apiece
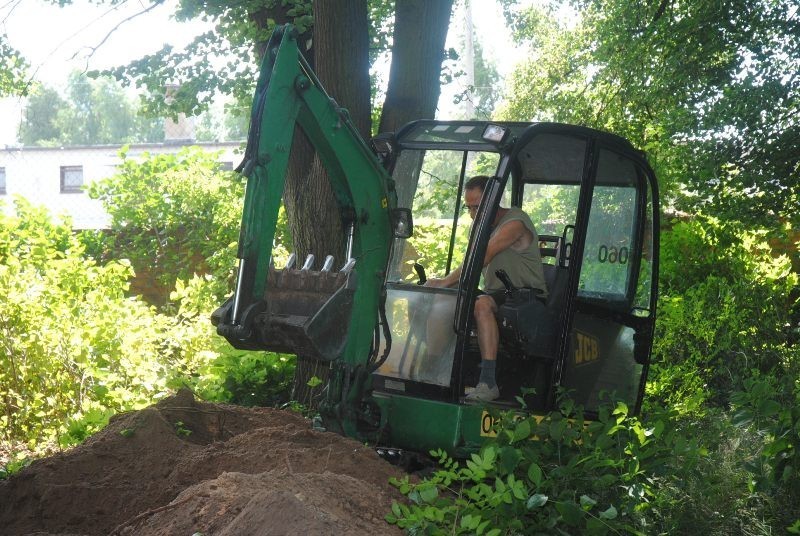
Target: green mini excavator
point(402, 355)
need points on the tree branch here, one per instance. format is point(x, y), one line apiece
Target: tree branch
point(660, 11)
point(15, 5)
point(116, 27)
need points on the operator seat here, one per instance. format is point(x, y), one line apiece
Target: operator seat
point(530, 327)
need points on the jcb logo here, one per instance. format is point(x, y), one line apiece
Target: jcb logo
point(587, 348)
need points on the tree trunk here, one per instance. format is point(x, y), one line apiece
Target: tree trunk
point(341, 59)
point(420, 30)
point(340, 49)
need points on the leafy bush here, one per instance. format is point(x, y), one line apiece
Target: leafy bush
point(209, 365)
point(73, 342)
point(172, 215)
point(770, 407)
point(431, 242)
point(78, 347)
point(554, 474)
point(724, 313)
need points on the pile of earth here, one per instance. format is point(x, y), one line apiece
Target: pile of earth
point(188, 467)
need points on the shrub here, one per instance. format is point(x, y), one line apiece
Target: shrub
point(172, 215)
point(724, 313)
point(554, 474)
point(209, 365)
point(73, 342)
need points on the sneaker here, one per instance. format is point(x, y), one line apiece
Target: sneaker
point(483, 393)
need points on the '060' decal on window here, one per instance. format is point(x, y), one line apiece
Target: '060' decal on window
point(612, 254)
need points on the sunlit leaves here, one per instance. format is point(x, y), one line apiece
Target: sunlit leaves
point(706, 88)
point(221, 61)
point(73, 342)
point(175, 214)
point(13, 69)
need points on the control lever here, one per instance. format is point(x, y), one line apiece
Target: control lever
point(503, 277)
point(420, 273)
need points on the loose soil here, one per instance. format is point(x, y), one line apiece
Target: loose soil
point(226, 470)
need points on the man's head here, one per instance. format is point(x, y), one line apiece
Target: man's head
point(473, 191)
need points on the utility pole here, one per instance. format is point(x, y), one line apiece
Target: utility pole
point(469, 62)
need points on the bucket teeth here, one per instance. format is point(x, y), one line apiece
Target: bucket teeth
point(348, 266)
point(328, 264)
point(309, 262)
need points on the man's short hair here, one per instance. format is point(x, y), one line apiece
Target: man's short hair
point(478, 181)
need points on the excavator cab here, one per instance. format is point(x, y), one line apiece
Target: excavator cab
point(402, 355)
point(593, 200)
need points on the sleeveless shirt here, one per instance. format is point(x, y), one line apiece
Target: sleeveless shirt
point(524, 268)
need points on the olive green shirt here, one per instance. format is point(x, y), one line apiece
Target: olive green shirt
point(524, 268)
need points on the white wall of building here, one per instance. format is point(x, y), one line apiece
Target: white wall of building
point(35, 174)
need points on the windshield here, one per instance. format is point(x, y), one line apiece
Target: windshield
point(430, 184)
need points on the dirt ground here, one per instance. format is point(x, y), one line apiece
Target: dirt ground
point(225, 470)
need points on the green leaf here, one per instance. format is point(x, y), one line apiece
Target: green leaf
point(557, 429)
point(314, 382)
point(570, 513)
point(522, 431)
point(587, 502)
point(535, 474)
point(470, 522)
point(428, 494)
point(508, 458)
point(609, 513)
point(536, 501)
point(768, 408)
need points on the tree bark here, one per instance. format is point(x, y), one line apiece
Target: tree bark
point(340, 49)
point(340, 54)
point(341, 59)
point(420, 30)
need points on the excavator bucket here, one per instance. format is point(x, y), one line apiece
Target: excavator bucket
point(307, 311)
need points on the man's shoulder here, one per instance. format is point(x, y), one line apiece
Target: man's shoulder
point(516, 213)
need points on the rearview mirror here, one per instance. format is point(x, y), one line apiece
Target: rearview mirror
point(402, 224)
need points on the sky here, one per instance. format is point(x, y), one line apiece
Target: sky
point(57, 41)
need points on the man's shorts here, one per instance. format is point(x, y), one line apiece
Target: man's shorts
point(499, 296)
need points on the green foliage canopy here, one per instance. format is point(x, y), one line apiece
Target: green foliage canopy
point(702, 357)
point(77, 347)
point(172, 214)
point(73, 342)
point(13, 69)
point(94, 112)
point(224, 60)
point(708, 89)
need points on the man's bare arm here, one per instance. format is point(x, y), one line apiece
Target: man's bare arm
point(505, 237)
point(450, 280)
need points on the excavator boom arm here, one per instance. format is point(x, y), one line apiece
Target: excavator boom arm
point(337, 309)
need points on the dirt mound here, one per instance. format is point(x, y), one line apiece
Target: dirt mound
point(187, 467)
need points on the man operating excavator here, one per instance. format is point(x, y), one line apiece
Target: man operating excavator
point(514, 248)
